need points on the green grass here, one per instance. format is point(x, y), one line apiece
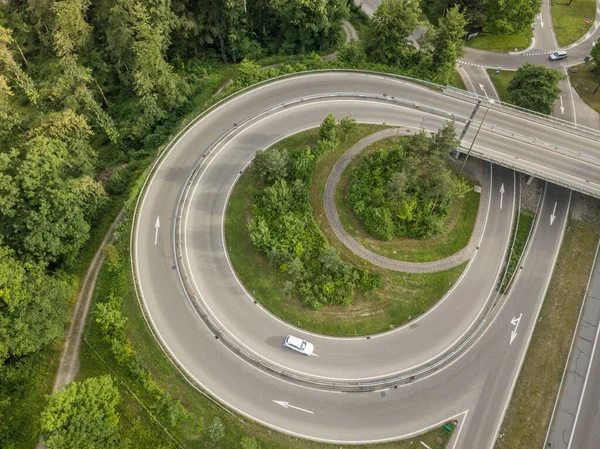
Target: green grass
point(585, 86)
point(459, 225)
point(569, 20)
point(530, 409)
point(404, 295)
point(500, 42)
point(456, 81)
point(522, 233)
point(501, 83)
point(191, 433)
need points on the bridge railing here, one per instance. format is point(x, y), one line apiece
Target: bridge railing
point(549, 119)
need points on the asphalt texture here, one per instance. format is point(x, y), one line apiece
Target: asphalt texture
point(476, 386)
point(482, 376)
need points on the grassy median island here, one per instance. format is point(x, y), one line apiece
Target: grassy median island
point(583, 82)
point(568, 19)
point(528, 415)
point(402, 297)
point(501, 82)
point(458, 225)
point(520, 239)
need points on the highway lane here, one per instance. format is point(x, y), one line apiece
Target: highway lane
point(337, 417)
point(545, 39)
point(523, 304)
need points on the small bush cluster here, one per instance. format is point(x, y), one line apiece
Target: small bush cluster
point(216, 430)
point(408, 189)
point(283, 227)
point(111, 322)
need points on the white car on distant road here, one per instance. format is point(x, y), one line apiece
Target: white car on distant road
point(299, 345)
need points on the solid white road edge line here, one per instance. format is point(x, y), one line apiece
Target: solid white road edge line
point(545, 291)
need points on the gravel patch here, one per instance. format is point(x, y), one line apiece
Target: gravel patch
point(530, 193)
point(585, 207)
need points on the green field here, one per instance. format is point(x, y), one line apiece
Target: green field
point(585, 86)
point(501, 83)
point(568, 18)
point(501, 43)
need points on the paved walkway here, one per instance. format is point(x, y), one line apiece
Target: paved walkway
point(376, 259)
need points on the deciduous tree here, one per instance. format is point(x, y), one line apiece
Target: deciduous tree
point(447, 43)
point(387, 38)
point(83, 416)
point(535, 87)
point(33, 306)
point(509, 16)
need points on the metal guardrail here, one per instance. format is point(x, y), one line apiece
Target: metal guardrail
point(548, 119)
point(249, 356)
point(230, 341)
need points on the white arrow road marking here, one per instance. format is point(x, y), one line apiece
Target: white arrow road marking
point(553, 216)
point(156, 226)
point(482, 87)
point(285, 404)
point(515, 322)
point(541, 22)
point(501, 194)
point(562, 108)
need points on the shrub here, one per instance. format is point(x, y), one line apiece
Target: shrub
point(216, 430)
point(406, 190)
point(249, 443)
point(118, 181)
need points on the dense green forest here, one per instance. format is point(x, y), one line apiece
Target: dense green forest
point(89, 91)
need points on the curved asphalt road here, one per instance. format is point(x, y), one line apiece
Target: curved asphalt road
point(479, 381)
point(422, 340)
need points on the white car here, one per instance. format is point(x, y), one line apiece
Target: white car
point(299, 345)
point(561, 54)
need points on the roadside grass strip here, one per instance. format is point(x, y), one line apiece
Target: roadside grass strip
point(501, 43)
point(521, 237)
point(530, 409)
point(404, 295)
point(459, 224)
point(500, 82)
point(583, 82)
point(569, 19)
